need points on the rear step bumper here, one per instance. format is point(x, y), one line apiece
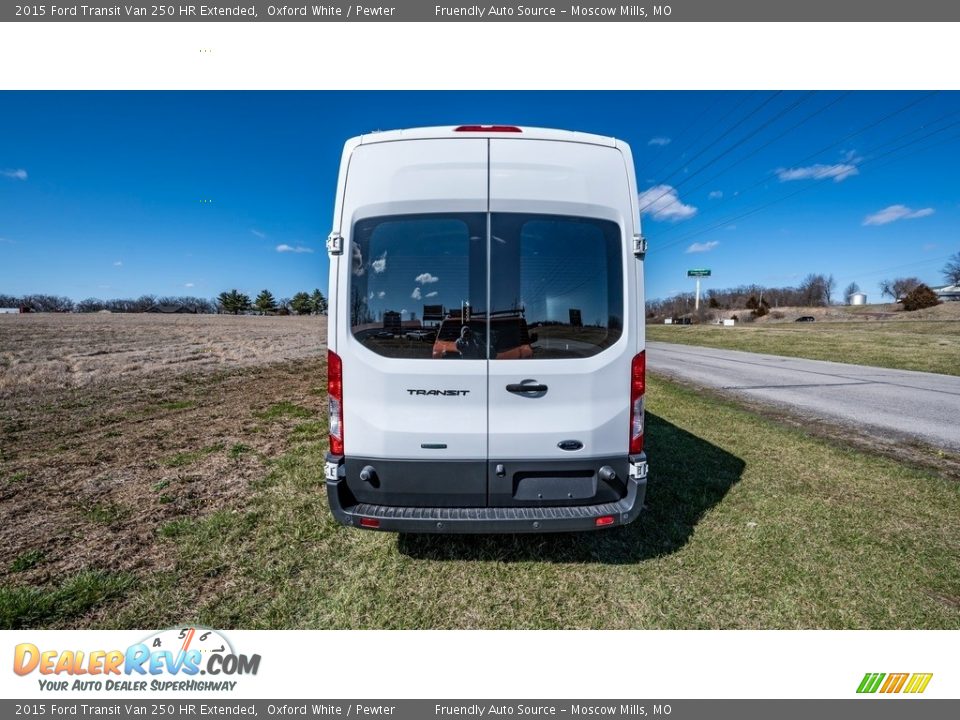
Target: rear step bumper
point(453, 520)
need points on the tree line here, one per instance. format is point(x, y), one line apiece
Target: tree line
point(231, 302)
point(816, 290)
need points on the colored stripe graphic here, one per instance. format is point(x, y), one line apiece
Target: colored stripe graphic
point(918, 682)
point(870, 682)
point(894, 682)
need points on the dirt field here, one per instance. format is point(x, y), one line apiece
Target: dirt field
point(64, 351)
point(112, 425)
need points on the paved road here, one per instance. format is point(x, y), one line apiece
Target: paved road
point(921, 405)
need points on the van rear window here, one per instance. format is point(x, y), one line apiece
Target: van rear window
point(418, 286)
point(410, 273)
point(563, 276)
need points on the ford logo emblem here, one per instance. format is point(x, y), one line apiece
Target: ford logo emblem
point(570, 445)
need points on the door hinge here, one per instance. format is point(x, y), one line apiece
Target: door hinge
point(639, 246)
point(335, 243)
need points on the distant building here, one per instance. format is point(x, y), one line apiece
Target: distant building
point(857, 298)
point(948, 292)
point(10, 311)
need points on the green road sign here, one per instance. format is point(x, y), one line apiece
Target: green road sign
point(702, 272)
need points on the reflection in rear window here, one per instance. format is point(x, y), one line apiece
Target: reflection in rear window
point(409, 275)
point(418, 286)
point(563, 276)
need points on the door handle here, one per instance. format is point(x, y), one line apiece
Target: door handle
point(528, 386)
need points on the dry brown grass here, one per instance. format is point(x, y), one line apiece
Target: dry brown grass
point(113, 425)
point(64, 351)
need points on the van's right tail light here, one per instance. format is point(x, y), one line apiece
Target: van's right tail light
point(335, 401)
point(638, 386)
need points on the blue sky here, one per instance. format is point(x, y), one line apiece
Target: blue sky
point(102, 193)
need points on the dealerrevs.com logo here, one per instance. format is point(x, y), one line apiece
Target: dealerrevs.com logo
point(179, 659)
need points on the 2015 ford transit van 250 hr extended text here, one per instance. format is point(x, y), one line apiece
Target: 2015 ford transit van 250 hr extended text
point(486, 338)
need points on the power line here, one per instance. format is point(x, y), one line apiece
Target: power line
point(771, 141)
point(699, 137)
point(800, 190)
point(682, 134)
point(855, 133)
point(695, 157)
point(765, 178)
point(733, 147)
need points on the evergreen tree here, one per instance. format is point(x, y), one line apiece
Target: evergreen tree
point(301, 304)
point(234, 301)
point(319, 302)
point(265, 302)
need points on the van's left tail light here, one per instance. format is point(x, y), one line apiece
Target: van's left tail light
point(638, 386)
point(335, 401)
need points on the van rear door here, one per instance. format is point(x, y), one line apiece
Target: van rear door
point(560, 215)
point(415, 232)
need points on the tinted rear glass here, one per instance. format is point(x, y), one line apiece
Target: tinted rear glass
point(413, 277)
point(562, 278)
point(418, 286)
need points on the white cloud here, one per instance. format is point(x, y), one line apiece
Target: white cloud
point(715, 194)
point(838, 171)
point(703, 247)
point(660, 141)
point(896, 212)
point(432, 294)
point(17, 174)
point(662, 203)
point(416, 294)
point(188, 285)
point(380, 264)
point(284, 248)
point(118, 263)
point(259, 234)
point(426, 278)
point(382, 294)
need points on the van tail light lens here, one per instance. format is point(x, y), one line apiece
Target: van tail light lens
point(638, 386)
point(604, 520)
point(371, 523)
point(488, 128)
point(335, 401)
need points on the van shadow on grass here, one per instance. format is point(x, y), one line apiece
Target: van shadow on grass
point(688, 476)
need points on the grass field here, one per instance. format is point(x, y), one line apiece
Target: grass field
point(199, 497)
point(926, 345)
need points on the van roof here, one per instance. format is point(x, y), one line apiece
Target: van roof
point(515, 132)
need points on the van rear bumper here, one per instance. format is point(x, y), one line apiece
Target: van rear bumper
point(459, 520)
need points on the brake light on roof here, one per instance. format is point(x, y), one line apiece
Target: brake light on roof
point(638, 386)
point(488, 128)
point(335, 401)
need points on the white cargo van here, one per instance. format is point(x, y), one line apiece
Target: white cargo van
point(486, 337)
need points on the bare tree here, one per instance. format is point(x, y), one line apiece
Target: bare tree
point(951, 271)
point(898, 287)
